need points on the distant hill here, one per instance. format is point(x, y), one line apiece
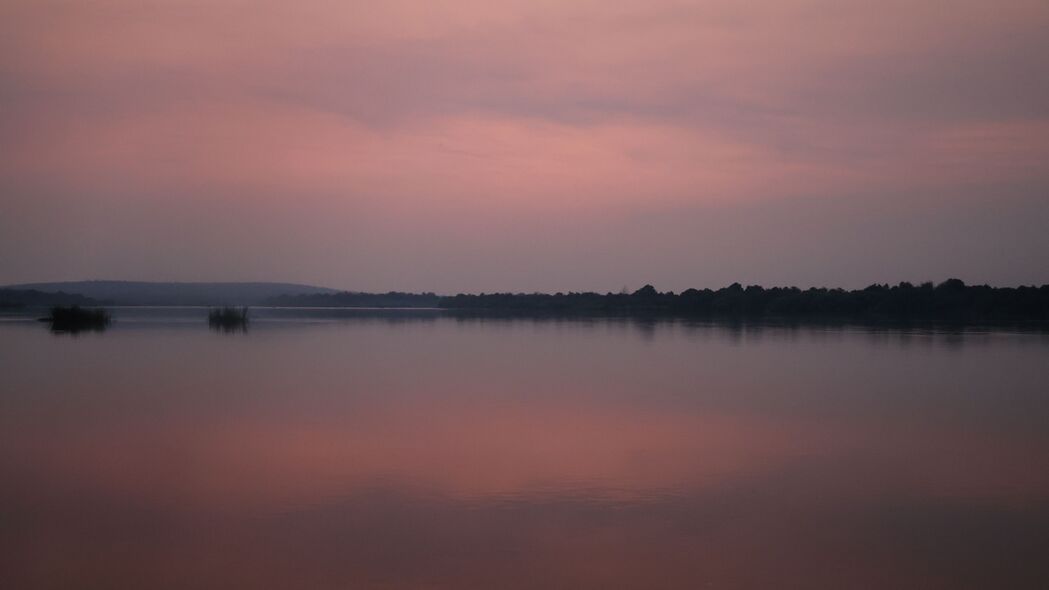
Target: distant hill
point(15, 298)
point(150, 293)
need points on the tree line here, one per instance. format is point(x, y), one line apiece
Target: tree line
point(949, 300)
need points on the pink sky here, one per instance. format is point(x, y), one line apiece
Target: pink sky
point(469, 146)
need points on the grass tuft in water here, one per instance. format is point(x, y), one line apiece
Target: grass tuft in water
point(76, 319)
point(228, 318)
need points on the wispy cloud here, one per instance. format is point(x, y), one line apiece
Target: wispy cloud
point(580, 107)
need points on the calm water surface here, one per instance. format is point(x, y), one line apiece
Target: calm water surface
point(356, 450)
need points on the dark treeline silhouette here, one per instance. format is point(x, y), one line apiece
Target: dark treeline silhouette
point(15, 298)
point(353, 299)
point(228, 318)
point(77, 319)
point(951, 300)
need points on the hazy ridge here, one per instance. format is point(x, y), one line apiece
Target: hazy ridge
point(174, 293)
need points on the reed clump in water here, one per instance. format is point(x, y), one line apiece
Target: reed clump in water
point(228, 318)
point(74, 319)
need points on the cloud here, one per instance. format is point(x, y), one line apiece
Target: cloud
point(584, 109)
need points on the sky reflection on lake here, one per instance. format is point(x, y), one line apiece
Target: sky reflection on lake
point(407, 451)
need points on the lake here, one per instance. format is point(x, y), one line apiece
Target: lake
point(354, 449)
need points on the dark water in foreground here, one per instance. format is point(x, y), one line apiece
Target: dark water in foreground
point(419, 451)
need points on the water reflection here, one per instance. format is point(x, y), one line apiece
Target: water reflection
point(402, 451)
